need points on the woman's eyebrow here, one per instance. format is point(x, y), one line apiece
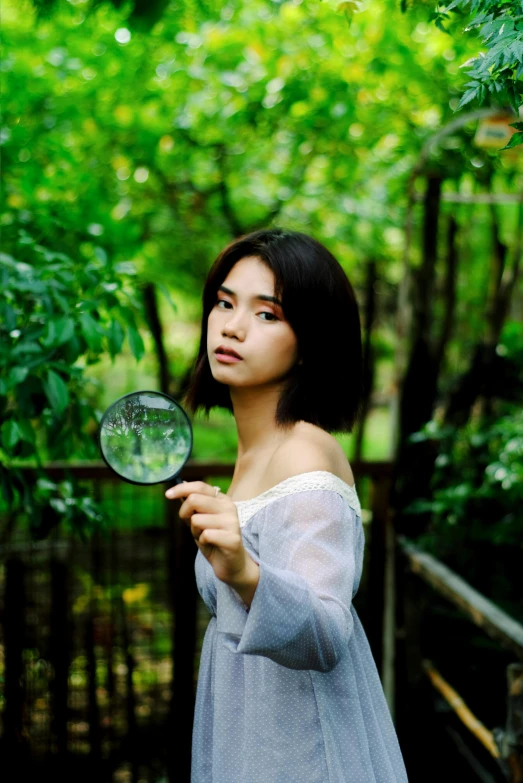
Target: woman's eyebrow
point(264, 297)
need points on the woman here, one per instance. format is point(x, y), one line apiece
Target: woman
point(288, 691)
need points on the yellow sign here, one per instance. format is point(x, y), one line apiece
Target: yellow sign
point(494, 132)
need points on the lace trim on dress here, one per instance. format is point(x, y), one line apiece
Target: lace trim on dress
point(316, 479)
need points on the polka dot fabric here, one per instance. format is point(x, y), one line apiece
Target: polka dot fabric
point(288, 691)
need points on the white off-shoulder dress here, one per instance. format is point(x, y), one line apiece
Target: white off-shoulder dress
point(288, 690)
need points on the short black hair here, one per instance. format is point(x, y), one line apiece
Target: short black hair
point(320, 305)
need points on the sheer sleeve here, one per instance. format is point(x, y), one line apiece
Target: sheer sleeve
point(300, 615)
point(206, 582)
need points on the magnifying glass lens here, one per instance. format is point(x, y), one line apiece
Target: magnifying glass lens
point(145, 437)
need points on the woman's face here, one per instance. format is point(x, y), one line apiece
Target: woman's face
point(253, 327)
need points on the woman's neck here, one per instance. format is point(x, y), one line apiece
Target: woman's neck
point(254, 410)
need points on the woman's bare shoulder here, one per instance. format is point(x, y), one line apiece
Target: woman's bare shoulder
point(308, 448)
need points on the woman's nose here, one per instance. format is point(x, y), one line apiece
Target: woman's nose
point(234, 326)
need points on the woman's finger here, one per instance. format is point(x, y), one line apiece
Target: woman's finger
point(196, 502)
point(223, 539)
point(187, 487)
point(201, 521)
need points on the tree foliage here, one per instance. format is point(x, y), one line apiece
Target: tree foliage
point(59, 313)
point(141, 14)
point(476, 486)
point(496, 74)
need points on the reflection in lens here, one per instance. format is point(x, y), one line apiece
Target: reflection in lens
point(145, 437)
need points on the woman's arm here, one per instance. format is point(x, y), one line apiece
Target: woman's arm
point(299, 615)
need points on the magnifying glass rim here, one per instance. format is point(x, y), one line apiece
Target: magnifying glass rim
point(132, 394)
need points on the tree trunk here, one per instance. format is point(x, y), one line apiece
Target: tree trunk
point(414, 461)
point(449, 293)
point(152, 315)
point(480, 378)
point(368, 356)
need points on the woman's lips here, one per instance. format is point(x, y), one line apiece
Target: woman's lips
point(227, 358)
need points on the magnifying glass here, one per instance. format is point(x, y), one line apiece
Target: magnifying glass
point(146, 438)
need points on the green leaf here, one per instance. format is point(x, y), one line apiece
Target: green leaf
point(61, 301)
point(7, 260)
point(135, 342)
point(7, 485)
point(115, 338)
point(17, 375)
point(64, 330)
point(125, 268)
point(128, 315)
point(348, 7)
point(46, 485)
point(50, 336)
point(468, 97)
point(58, 505)
point(8, 316)
point(91, 332)
point(10, 434)
point(165, 291)
point(72, 349)
point(26, 346)
point(58, 332)
point(56, 392)
point(27, 432)
point(516, 139)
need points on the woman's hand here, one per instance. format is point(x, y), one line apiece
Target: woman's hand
point(215, 527)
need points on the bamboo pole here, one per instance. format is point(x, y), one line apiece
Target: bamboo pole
point(460, 708)
point(483, 612)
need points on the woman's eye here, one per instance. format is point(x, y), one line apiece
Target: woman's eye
point(271, 316)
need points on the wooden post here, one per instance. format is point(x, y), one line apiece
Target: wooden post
point(95, 732)
point(389, 614)
point(92, 700)
point(512, 738)
point(379, 504)
point(170, 522)
point(410, 684)
point(111, 640)
point(127, 645)
point(183, 591)
point(59, 654)
point(14, 613)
